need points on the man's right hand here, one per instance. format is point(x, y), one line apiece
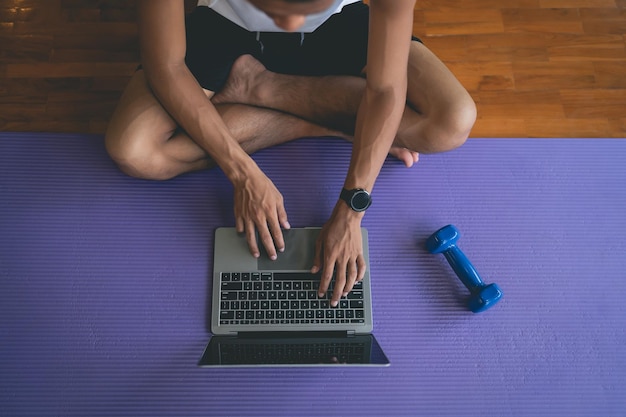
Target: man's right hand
point(259, 207)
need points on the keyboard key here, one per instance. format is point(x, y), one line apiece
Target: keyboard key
point(296, 276)
point(232, 286)
point(227, 315)
point(228, 295)
point(355, 295)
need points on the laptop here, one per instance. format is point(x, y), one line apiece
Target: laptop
point(268, 313)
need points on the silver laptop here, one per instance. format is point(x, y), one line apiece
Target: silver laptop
point(268, 313)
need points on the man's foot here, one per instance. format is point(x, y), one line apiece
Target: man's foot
point(403, 154)
point(241, 87)
point(247, 74)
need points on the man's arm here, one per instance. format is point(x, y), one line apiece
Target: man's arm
point(378, 119)
point(163, 48)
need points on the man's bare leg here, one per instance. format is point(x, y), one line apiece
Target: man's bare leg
point(147, 143)
point(438, 117)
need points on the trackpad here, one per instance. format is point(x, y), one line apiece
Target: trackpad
point(298, 255)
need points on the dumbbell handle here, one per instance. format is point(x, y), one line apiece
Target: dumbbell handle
point(463, 268)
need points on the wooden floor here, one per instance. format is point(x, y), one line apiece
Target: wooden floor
point(536, 68)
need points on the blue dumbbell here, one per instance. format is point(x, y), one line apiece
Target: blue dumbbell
point(482, 295)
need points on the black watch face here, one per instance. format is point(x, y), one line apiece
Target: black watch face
point(360, 200)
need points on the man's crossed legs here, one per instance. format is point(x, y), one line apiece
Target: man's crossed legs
point(262, 109)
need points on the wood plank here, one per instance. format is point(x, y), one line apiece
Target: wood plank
point(521, 104)
point(604, 21)
point(568, 127)
point(542, 20)
point(553, 75)
point(441, 22)
point(593, 48)
point(484, 76)
point(610, 103)
point(550, 4)
point(70, 69)
point(610, 74)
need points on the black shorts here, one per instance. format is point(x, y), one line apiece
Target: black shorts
point(337, 47)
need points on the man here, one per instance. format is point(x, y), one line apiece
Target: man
point(241, 75)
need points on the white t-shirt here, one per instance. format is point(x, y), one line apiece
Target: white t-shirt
point(249, 17)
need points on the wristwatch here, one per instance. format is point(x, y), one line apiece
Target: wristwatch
point(357, 199)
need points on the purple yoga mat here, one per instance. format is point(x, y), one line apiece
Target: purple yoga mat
point(104, 283)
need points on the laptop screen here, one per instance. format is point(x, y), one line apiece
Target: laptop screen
point(291, 350)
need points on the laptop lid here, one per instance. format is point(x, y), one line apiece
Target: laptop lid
point(291, 349)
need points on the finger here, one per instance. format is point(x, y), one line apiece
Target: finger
point(277, 234)
point(266, 239)
point(361, 267)
point(251, 238)
point(327, 276)
point(282, 217)
point(340, 283)
point(239, 223)
point(350, 278)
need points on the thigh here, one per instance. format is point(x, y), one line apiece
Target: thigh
point(138, 116)
point(139, 119)
point(432, 88)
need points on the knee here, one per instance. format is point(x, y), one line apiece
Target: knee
point(136, 157)
point(450, 127)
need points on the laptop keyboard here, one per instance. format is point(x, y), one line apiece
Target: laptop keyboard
point(284, 298)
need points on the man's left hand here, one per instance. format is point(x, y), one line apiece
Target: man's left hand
point(339, 249)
